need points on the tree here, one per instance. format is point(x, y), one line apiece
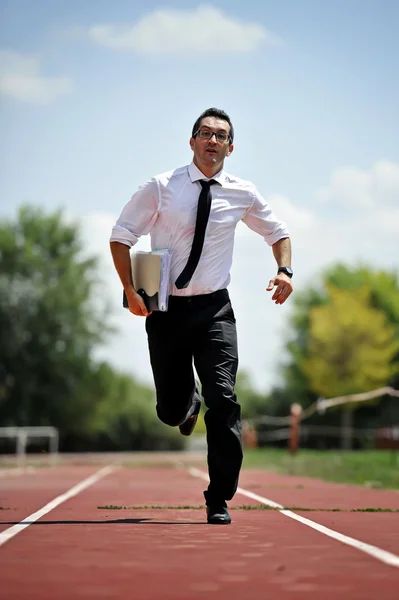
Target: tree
point(52, 315)
point(351, 350)
point(122, 416)
point(384, 289)
point(47, 321)
point(384, 296)
point(351, 345)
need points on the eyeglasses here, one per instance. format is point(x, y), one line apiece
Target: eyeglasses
point(207, 134)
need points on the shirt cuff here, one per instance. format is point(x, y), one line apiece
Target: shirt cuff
point(276, 236)
point(124, 236)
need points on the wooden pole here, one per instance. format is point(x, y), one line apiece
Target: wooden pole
point(295, 420)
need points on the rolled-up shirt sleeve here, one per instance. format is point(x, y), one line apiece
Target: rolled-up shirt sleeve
point(261, 219)
point(138, 216)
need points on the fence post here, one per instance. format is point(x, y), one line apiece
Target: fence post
point(21, 445)
point(295, 419)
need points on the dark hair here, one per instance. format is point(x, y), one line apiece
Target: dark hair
point(214, 112)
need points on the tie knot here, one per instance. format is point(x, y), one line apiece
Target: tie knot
point(207, 183)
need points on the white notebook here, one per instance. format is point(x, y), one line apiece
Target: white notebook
point(150, 275)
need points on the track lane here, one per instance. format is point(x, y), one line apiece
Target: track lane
point(80, 551)
point(25, 493)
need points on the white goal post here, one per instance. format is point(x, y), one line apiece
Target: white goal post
point(22, 435)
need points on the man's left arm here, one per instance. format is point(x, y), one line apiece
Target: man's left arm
point(261, 219)
point(282, 282)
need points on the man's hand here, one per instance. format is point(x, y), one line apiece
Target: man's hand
point(136, 304)
point(283, 290)
point(121, 257)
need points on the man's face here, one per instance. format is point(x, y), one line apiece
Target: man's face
point(210, 153)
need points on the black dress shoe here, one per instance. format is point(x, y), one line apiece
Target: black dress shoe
point(218, 515)
point(187, 427)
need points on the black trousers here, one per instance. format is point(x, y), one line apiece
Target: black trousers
point(200, 330)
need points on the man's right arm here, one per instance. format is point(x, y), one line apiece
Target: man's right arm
point(137, 218)
point(121, 257)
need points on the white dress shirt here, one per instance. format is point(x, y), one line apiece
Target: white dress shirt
point(166, 208)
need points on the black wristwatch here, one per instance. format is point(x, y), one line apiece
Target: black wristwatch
point(287, 270)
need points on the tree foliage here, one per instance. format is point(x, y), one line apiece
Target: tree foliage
point(50, 322)
point(351, 345)
point(383, 297)
point(47, 324)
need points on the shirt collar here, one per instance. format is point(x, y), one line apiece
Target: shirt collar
point(196, 174)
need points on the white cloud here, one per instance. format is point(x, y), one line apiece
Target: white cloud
point(203, 30)
point(299, 217)
point(21, 78)
point(369, 201)
point(353, 187)
point(387, 222)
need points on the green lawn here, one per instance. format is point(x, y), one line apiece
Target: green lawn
point(379, 469)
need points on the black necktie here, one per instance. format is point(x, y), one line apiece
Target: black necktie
point(204, 208)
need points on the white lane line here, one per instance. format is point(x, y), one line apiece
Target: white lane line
point(16, 471)
point(74, 491)
point(386, 557)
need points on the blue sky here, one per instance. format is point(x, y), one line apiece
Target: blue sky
point(96, 97)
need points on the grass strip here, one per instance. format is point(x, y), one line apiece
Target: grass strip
point(376, 469)
point(152, 507)
point(247, 507)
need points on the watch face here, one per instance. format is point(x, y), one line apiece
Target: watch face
point(287, 270)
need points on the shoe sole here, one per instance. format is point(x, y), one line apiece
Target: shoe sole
point(193, 419)
point(219, 522)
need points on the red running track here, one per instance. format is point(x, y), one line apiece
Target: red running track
point(78, 550)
